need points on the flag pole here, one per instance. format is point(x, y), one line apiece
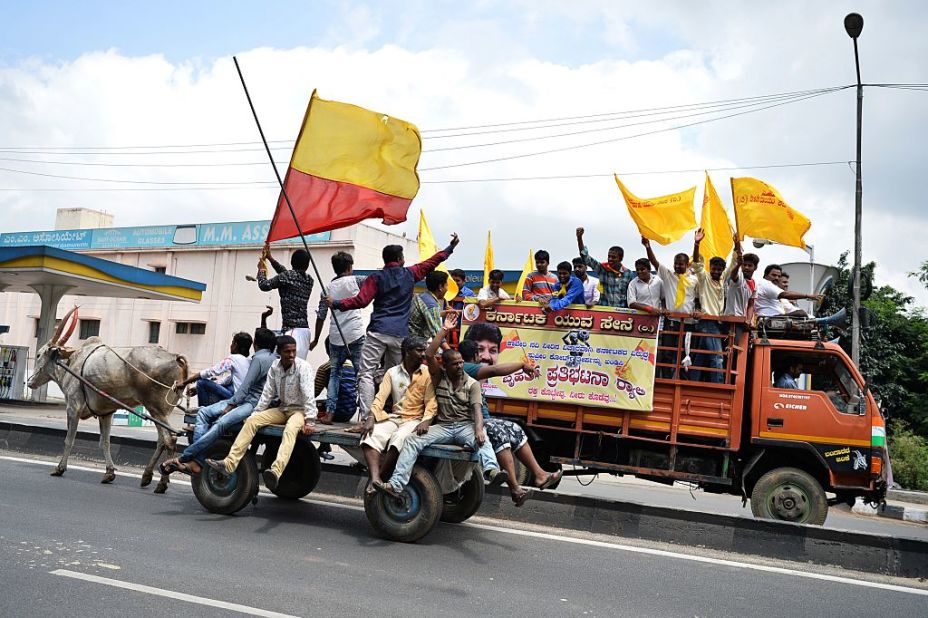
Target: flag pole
point(283, 191)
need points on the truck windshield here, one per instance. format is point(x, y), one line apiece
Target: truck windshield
point(817, 371)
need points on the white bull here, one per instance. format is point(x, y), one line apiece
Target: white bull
point(140, 376)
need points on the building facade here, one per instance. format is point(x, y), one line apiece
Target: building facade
point(221, 255)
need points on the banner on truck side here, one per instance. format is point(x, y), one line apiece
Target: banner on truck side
point(595, 357)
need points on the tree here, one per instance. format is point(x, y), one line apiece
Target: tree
point(894, 349)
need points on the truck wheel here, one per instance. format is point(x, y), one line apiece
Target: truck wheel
point(411, 518)
point(229, 495)
point(460, 505)
point(301, 474)
point(789, 494)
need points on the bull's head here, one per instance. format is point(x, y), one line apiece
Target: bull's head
point(53, 350)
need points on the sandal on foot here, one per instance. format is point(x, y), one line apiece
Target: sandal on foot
point(520, 499)
point(553, 479)
point(171, 465)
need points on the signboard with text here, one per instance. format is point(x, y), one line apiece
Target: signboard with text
point(239, 233)
point(594, 357)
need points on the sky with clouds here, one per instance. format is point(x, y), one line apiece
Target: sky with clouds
point(80, 83)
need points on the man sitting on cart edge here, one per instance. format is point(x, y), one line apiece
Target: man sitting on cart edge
point(289, 380)
point(460, 420)
point(410, 387)
point(215, 420)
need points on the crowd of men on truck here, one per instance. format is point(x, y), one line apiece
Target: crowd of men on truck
point(418, 384)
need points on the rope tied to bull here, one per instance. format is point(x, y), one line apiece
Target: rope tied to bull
point(169, 389)
point(85, 382)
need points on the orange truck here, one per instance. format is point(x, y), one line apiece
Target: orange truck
point(722, 417)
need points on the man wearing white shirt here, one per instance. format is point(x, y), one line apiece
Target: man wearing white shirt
point(789, 308)
point(644, 291)
point(494, 293)
point(590, 284)
point(769, 293)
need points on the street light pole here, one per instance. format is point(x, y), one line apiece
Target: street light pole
point(854, 25)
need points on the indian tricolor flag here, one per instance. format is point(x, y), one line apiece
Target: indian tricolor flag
point(349, 164)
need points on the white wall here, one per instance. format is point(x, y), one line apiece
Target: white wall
point(230, 303)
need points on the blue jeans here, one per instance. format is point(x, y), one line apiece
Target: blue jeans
point(716, 361)
point(461, 433)
point(210, 425)
point(209, 392)
point(338, 354)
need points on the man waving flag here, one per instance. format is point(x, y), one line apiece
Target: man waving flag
point(348, 164)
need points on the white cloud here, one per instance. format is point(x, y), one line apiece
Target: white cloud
point(476, 71)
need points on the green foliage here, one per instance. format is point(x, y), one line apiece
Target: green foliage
point(909, 454)
point(894, 350)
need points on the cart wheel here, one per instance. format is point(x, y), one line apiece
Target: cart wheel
point(231, 494)
point(460, 505)
point(412, 517)
point(302, 471)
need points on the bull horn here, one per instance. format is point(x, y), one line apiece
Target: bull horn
point(70, 330)
point(55, 337)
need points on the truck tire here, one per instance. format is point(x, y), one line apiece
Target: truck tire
point(302, 472)
point(228, 496)
point(411, 519)
point(460, 505)
point(789, 494)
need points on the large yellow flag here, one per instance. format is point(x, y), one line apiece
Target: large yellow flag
point(663, 219)
point(714, 222)
point(529, 267)
point(487, 262)
point(761, 212)
point(428, 248)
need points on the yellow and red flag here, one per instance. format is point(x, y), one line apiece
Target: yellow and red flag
point(761, 212)
point(714, 222)
point(663, 219)
point(348, 164)
point(487, 262)
point(428, 247)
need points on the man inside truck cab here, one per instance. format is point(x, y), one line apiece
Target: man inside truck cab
point(786, 376)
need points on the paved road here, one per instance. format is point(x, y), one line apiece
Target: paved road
point(66, 543)
point(627, 489)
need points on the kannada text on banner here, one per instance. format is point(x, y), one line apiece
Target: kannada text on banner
point(595, 357)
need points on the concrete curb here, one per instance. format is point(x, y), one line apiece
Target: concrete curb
point(893, 511)
point(870, 553)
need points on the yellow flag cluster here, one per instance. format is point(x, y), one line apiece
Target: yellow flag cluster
point(428, 248)
point(662, 219)
point(761, 212)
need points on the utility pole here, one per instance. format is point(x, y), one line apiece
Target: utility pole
point(854, 25)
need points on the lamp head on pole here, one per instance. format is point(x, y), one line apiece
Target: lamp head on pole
point(853, 25)
point(760, 243)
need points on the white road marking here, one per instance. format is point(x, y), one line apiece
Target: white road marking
point(180, 596)
point(589, 542)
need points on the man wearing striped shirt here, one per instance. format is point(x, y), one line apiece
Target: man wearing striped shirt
point(539, 284)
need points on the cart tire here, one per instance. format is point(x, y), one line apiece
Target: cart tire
point(789, 494)
point(301, 474)
point(233, 494)
point(460, 505)
point(409, 520)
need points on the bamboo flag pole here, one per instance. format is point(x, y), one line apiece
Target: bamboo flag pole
point(283, 191)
